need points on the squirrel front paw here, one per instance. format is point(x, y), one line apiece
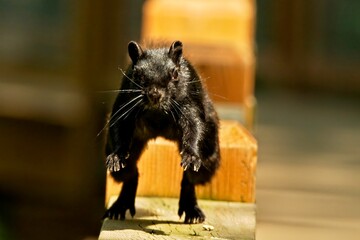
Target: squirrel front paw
point(115, 163)
point(190, 160)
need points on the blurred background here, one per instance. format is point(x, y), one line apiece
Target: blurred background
point(302, 102)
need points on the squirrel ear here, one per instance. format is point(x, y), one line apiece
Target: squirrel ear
point(135, 51)
point(175, 51)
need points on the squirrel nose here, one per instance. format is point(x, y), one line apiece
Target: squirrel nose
point(154, 95)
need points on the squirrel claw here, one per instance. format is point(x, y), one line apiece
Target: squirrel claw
point(188, 160)
point(114, 163)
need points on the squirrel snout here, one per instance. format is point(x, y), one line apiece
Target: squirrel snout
point(154, 95)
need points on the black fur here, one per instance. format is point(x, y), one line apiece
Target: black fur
point(162, 95)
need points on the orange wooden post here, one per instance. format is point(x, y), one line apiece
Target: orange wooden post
point(218, 38)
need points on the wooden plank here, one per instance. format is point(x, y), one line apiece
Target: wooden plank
point(156, 218)
point(160, 171)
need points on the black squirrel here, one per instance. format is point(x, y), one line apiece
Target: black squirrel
point(161, 94)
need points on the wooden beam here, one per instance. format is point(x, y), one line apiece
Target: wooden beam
point(160, 171)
